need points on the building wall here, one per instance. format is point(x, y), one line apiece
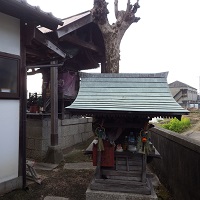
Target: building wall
point(9, 34)
point(9, 115)
point(70, 132)
point(179, 167)
point(190, 96)
point(174, 91)
point(9, 142)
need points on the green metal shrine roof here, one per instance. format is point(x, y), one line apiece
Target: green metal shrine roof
point(126, 93)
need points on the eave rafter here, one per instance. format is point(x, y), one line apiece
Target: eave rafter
point(40, 37)
point(34, 52)
point(34, 34)
point(78, 42)
point(76, 25)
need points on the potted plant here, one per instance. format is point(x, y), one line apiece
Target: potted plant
point(34, 102)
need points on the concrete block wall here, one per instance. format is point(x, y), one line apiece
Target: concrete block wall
point(37, 137)
point(179, 167)
point(70, 132)
point(73, 131)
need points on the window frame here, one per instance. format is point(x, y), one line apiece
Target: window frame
point(5, 95)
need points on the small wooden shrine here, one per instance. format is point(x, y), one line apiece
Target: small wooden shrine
point(122, 106)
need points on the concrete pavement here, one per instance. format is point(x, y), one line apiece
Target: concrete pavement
point(193, 134)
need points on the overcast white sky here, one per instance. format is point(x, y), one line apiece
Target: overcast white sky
point(167, 38)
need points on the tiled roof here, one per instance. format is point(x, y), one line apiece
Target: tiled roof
point(22, 10)
point(67, 21)
point(178, 84)
point(74, 18)
point(141, 94)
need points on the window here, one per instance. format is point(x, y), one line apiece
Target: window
point(9, 76)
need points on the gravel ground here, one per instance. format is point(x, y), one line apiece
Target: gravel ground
point(66, 180)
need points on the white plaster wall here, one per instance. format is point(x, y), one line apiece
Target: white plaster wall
point(9, 139)
point(9, 34)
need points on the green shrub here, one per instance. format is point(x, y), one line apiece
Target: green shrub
point(177, 125)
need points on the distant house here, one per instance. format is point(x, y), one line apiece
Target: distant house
point(184, 94)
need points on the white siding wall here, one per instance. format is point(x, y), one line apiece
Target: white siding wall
point(9, 109)
point(9, 139)
point(9, 34)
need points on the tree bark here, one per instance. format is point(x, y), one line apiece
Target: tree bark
point(114, 33)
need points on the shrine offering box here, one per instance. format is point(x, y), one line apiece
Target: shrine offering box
point(107, 156)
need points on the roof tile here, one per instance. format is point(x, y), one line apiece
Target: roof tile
point(128, 93)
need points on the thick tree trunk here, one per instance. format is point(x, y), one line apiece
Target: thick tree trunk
point(112, 52)
point(113, 34)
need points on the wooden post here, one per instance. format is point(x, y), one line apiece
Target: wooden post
point(23, 106)
point(144, 161)
point(98, 169)
point(62, 107)
point(54, 105)
point(103, 66)
point(54, 153)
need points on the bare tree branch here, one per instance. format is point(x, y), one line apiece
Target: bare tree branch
point(100, 11)
point(116, 9)
point(129, 6)
point(135, 7)
point(130, 16)
point(113, 34)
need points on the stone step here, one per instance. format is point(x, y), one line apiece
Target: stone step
point(55, 198)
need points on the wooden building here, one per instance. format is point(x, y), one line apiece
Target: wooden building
point(15, 18)
point(81, 47)
point(122, 106)
point(81, 39)
point(37, 42)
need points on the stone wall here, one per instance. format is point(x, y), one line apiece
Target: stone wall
point(179, 167)
point(70, 132)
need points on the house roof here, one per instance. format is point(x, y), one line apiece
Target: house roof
point(82, 41)
point(130, 94)
point(178, 84)
point(74, 22)
point(22, 10)
point(74, 18)
point(71, 21)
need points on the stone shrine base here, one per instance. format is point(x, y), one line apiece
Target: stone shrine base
point(102, 195)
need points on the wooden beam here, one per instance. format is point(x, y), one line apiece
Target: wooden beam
point(80, 43)
point(44, 66)
point(33, 72)
point(30, 30)
point(35, 53)
point(42, 38)
point(44, 61)
point(33, 33)
point(66, 29)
